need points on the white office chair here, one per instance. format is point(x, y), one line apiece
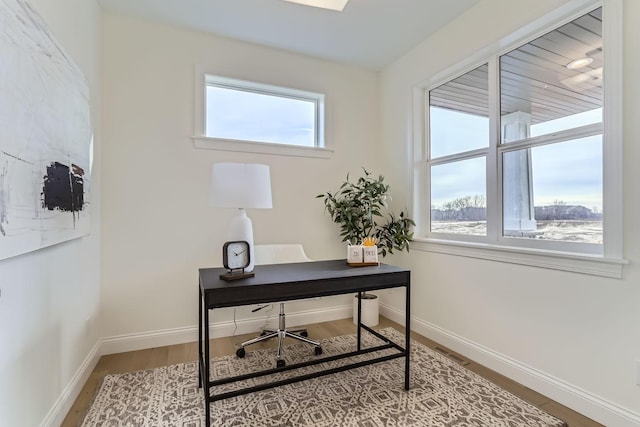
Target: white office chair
point(278, 254)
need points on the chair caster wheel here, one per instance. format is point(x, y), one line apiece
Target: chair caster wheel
point(280, 363)
point(304, 334)
point(240, 352)
point(318, 351)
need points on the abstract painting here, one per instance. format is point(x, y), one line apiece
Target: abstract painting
point(45, 136)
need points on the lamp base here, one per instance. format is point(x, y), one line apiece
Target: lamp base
point(241, 228)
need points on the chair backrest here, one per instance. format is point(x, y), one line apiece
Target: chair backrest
point(279, 254)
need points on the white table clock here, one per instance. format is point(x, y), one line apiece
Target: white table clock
point(236, 256)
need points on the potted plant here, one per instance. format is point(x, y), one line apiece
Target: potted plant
point(361, 210)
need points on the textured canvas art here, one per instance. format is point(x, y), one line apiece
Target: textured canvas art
point(45, 136)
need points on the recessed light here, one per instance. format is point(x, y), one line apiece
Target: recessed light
point(324, 4)
point(579, 63)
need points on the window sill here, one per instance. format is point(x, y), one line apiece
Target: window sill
point(260, 147)
point(576, 263)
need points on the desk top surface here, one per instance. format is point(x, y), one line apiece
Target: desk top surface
point(295, 272)
point(300, 280)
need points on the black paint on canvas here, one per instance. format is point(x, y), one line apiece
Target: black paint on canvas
point(63, 188)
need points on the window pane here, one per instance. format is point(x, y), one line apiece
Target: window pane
point(541, 93)
point(459, 114)
point(458, 197)
point(251, 116)
point(568, 122)
point(554, 192)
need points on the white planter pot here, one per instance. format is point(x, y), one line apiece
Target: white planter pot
point(369, 309)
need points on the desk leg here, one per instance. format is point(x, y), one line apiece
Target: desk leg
point(199, 337)
point(407, 335)
point(359, 331)
point(207, 367)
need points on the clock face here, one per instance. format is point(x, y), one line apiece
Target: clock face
point(235, 255)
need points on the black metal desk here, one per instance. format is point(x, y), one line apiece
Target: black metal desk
point(285, 282)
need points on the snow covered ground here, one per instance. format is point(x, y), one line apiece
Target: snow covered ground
point(568, 230)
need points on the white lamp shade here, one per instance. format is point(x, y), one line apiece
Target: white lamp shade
point(240, 185)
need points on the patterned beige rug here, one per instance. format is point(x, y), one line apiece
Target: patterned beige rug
point(443, 393)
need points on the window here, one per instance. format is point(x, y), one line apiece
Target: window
point(551, 109)
point(518, 157)
point(459, 142)
point(241, 115)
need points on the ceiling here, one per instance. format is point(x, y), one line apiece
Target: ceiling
point(534, 77)
point(368, 33)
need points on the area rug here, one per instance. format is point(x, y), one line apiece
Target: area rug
point(443, 393)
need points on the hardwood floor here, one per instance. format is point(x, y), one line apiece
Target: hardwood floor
point(161, 356)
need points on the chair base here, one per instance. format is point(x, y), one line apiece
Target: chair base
point(281, 333)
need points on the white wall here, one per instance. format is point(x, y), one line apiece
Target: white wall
point(157, 226)
point(570, 336)
point(50, 298)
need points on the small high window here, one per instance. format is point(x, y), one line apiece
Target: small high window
point(243, 111)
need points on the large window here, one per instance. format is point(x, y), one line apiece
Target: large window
point(515, 147)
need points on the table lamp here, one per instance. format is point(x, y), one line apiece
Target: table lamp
point(241, 186)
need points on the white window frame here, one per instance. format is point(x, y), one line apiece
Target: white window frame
point(608, 263)
point(204, 78)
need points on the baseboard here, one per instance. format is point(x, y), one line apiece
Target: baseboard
point(141, 341)
point(151, 339)
point(63, 404)
point(582, 401)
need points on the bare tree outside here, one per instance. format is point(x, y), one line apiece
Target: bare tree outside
point(556, 221)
